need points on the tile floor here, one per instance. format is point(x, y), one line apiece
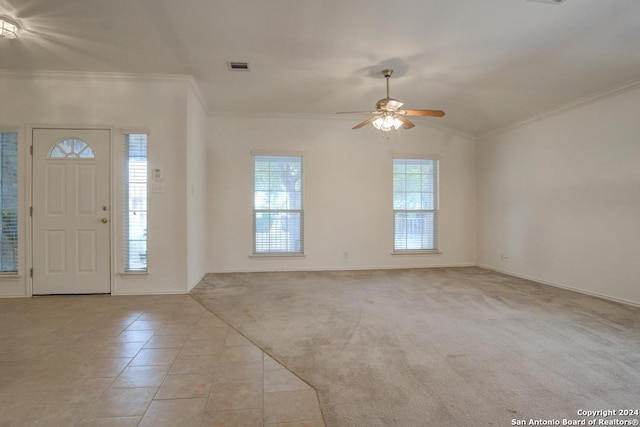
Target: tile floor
point(139, 361)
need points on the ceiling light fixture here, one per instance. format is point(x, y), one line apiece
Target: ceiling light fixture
point(387, 122)
point(389, 114)
point(8, 28)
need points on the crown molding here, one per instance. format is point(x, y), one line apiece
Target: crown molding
point(598, 96)
point(94, 75)
point(195, 87)
point(275, 115)
point(326, 116)
point(108, 76)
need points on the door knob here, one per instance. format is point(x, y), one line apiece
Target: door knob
point(104, 220)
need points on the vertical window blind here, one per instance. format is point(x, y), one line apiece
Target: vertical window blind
point(9, 202)
point(415, 204)
point(135, 204)
point(278, 216)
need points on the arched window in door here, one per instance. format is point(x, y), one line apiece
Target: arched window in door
point(71, 148)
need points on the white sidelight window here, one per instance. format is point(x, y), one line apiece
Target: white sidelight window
point(135, 203)
point(9, 202)
point(278, 216)
point(415, 205)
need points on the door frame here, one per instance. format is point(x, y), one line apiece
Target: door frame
point(29, 198)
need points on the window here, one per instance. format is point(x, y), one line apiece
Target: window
point(278, 216)
point(71, 148)
point(415, 204)
point(135, 192)
point(9, 202)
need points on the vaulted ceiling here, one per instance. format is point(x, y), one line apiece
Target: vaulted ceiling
point(487, 63)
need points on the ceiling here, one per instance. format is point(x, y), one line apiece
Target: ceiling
point(487, 63)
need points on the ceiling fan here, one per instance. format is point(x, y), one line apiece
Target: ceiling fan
point(389, 115)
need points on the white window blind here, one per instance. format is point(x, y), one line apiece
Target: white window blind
point(278, 216)
point(9, 202)
point(135, 204)
point(415, 204)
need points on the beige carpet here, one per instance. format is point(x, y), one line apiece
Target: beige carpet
point(441, 347)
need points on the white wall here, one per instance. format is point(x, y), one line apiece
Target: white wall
point(202, 220)
point(196, 190)
point(348, 189)
point(560, 197)
point(157, 104)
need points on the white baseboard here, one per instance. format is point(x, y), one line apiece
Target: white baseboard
point(197, 281)
point(562, 286)
point(357, 268)
point(122, 294)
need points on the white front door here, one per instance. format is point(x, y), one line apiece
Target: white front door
point(71, 211)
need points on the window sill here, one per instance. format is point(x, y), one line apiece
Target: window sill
point(276, 255)
point(9, 276)
point(134, 274)
point(417, 252)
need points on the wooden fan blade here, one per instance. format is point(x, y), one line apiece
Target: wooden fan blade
point(406, 124)
point(431, 113)
point(364, 123)
point(357, 112)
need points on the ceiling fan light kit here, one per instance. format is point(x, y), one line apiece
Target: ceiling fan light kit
point(389, 115)
point(386, 123)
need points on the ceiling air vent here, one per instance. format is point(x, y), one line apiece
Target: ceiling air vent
point(238, 66)
point(548, 1)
